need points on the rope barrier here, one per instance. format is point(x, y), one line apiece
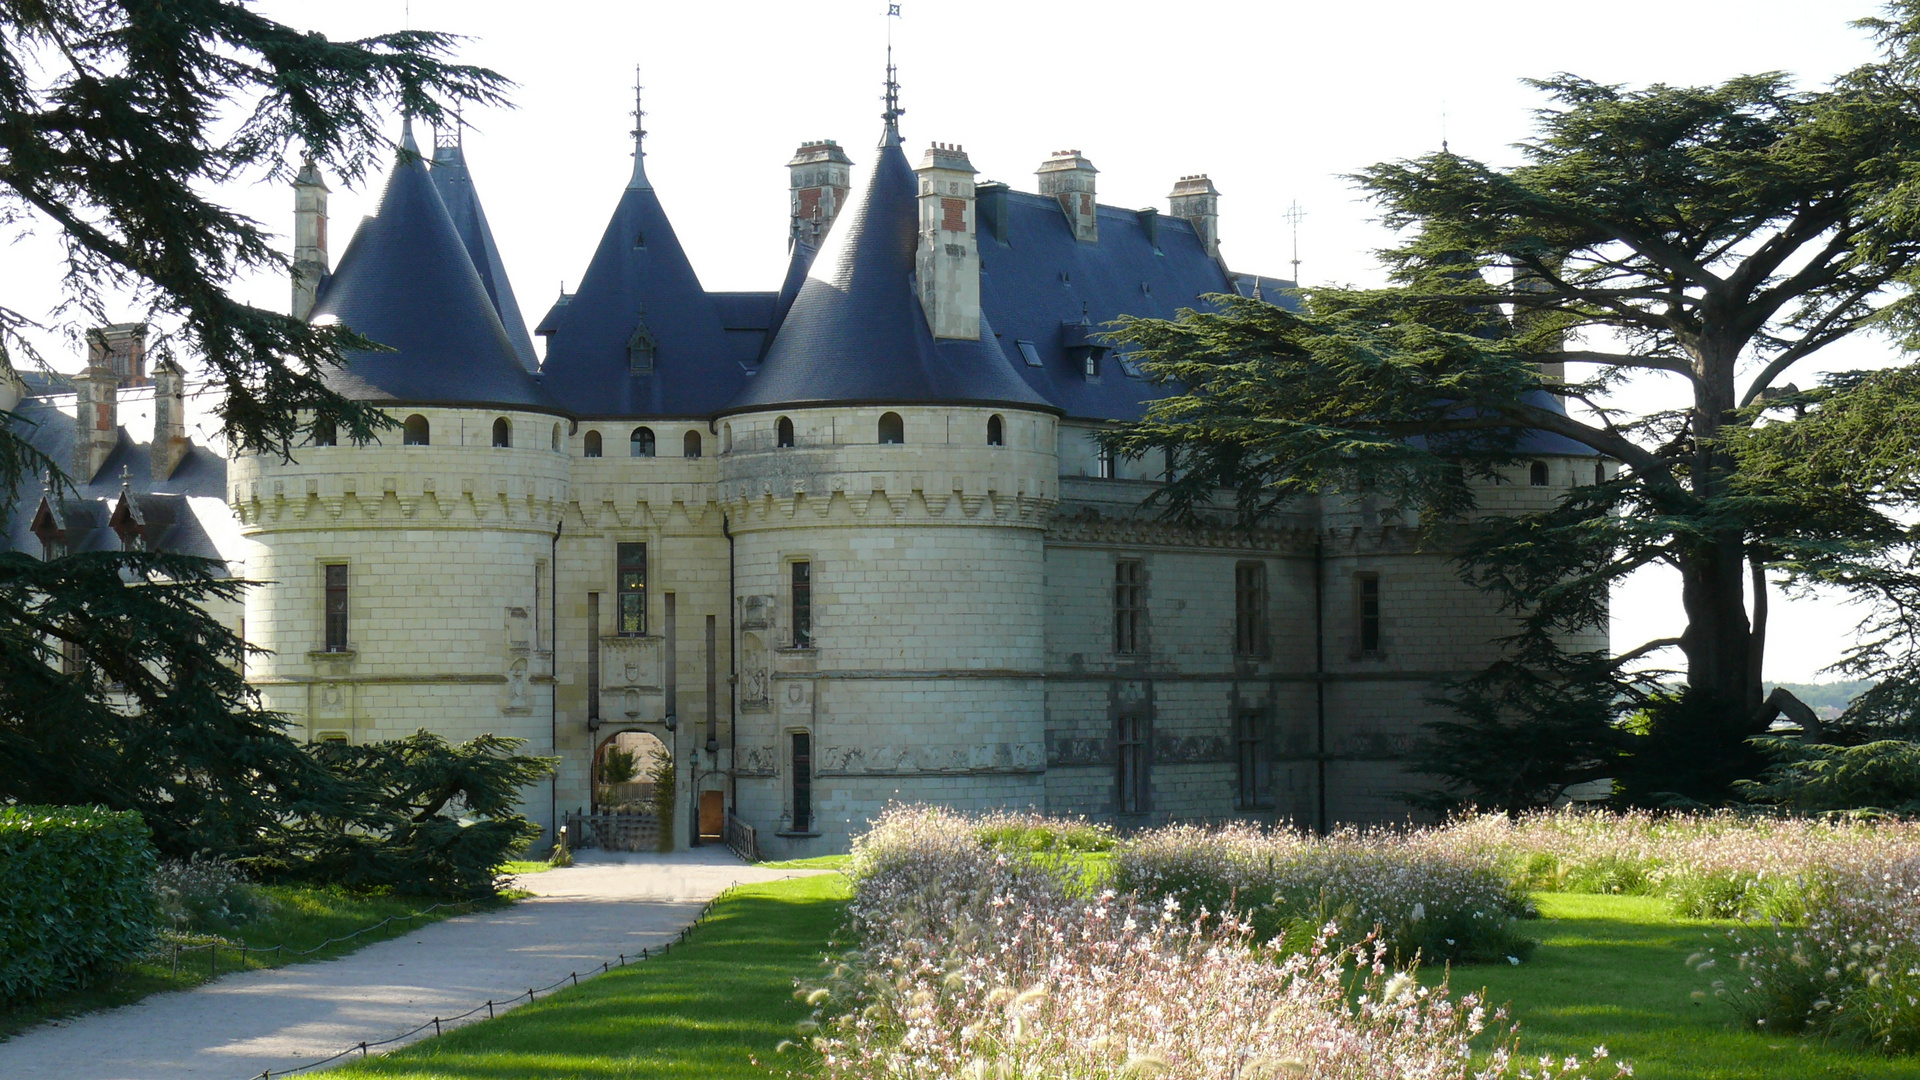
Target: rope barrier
point(435, 1023)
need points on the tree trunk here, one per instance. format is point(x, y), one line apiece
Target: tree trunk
point(1718, 640)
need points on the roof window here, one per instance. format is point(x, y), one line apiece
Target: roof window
point(1029, 353)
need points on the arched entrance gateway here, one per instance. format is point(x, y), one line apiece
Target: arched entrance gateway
point(625, 765)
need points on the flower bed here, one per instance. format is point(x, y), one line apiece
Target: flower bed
point(982, 963)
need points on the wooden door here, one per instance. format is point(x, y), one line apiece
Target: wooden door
point(713, 812)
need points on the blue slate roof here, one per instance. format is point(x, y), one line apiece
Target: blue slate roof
point(856, 332)
point(640, 273)
point(407, 282)
point(455, 185)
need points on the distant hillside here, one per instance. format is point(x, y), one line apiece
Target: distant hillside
point(1828, 699)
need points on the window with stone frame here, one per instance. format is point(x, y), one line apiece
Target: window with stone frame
point(1133, 779)
point(800, 780)
point(801, 603)
point(1366, 613)
point(1107, 461)
point(630, 584)
point(1129, 606)
point(335, 616)
point(1255, 761)
point(1250, 609)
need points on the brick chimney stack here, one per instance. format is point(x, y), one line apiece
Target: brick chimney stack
point(819, 176)
point(169, 419)
point(96, 414)
point(1068, 177)
point(1198, 201)
point(309, 239)
point(120, 348)
point(948, 265)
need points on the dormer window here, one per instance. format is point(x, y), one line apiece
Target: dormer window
point(1093, 365)
point(127, 523)
point(641, 349)
point(48, 528)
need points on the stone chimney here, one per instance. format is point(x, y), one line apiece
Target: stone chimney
point(309, 239)
point(1068, 177)
point(96, 417)
point(169, 419)
point(818, 181)
point(121, 349)
point(949, 257)
point(1195, 199)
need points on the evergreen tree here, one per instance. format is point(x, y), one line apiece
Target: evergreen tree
point(119, 120)
point(1717, 236)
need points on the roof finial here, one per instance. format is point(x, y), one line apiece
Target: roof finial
point(639, 134)
point(892, 96)
point(406, 135)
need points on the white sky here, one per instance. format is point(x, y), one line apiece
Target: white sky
point(1274, 100)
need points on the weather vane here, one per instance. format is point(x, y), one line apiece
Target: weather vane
point(1294, 216)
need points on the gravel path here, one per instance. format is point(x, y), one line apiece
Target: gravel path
point(240, 1025)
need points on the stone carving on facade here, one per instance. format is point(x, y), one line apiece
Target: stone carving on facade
point(911, 760)
point(796, 697)
point(631, 661)
point(1069, 752)
point(753, 672)
point(517, 687)
point(757, 761)
point(756, 612)
point(1190, 750)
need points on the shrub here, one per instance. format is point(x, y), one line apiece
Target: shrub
point(1032, 832)
point(663, 780)
point(206, 896)
point(1434, 893)
point(985, 964)
point(74, 898)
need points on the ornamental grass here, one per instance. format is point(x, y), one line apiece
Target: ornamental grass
point(979, 963)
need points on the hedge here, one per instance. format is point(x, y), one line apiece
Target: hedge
point(75, 895)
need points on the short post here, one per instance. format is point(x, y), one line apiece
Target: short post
point(489, 1008)
point(213, 959)
point(436, 1025)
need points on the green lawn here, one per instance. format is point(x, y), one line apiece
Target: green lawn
point(522, 867)
point(706, 1009)
point(302, 917)
point(1612, 970)
point(817, 862)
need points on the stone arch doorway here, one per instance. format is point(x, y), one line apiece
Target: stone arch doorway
point(623, 764)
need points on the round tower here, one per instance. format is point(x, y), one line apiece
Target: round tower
point(370, 556)
point(887, 478)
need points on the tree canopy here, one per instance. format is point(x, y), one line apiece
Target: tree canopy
point(1713, 236)
point(120, 122)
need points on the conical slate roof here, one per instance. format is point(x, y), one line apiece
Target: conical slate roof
point(407, 282)
point(455, 185)
point(857, 333)
point(639, 276)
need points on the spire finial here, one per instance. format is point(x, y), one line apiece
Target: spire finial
point(639, 134)
point(892, 96)
point(406, 135)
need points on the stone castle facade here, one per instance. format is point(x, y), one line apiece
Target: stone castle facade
point(848, 542)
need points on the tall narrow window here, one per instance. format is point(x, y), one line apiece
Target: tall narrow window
point(893, 430)
point(1256, 768)
point(416, 432)
point(502, 432)
point(1367, 607)
point(593, 657)
point(1129, 602)
point(640, 443)
point(1250, 609)
point(632, 581)
point(1538, 474)
point(555, 440)
point(690, 446)
point(802, 605)
point(592, 444)
point(336, 607)
point(783, 432)
point(1109, 462)
point(802, 782)
point(1130, 744)
point(539, 591)
point(1599, 472)
point(996, 431)
point(73, 659)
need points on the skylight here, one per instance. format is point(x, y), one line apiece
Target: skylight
point(1032, 354)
